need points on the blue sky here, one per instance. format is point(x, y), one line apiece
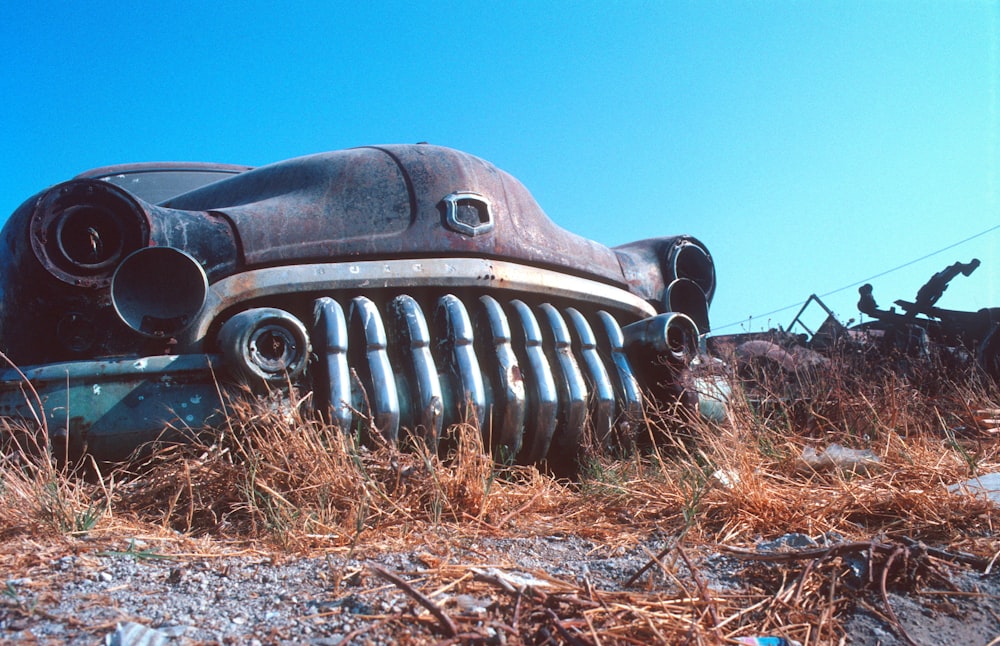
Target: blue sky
point(810, 145)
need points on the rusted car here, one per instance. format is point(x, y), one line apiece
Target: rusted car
point(407, 287)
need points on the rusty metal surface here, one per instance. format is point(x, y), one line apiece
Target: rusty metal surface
point(952, 327)
point(127, 402)
point(389, 201)
point(677, 271)
point(921, 333)
point(973, 338)
point(415, 284)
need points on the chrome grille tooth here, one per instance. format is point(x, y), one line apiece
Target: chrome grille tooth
point(611, 342)
point(457, 357)
point(572, 389)
point(503, 373)
point(421, 386)
point(332, 383)
point(371, 361)
point(602, 393)
point(540, 386)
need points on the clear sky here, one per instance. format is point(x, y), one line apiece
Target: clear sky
point(810, 145)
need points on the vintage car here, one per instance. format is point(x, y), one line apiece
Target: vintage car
point(407, 287)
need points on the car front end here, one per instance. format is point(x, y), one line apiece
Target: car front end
point(406, 287)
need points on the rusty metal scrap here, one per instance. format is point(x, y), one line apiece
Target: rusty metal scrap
point(920, 333)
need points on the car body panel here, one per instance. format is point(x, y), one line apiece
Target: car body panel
point(372, 276)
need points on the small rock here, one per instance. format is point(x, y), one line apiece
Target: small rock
point(64, 563)
point(174, 631)
point(471, 605)
point(327, 641)
point(726, 477)
point(986, 486)
point(355, 605)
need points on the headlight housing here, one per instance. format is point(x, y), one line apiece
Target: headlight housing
point(81, 230)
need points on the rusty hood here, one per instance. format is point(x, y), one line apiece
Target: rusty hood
point(393, 201)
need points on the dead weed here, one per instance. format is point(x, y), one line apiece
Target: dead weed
point(275, 477)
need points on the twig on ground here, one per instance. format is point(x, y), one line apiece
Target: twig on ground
point(899, 551)
point(447, 624)
point(563, 632)
point(702, 590)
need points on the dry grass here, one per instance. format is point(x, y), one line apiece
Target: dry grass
point(276, 481)
point(42, 497)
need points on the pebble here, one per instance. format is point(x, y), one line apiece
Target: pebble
point(64, 563)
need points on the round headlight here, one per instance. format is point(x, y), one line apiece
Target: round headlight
point(81, 230)
point(158, 291)
point(685, 296)
point(264, 345)
point(691, 261)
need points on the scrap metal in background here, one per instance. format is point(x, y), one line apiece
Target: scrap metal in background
point(922, 333)
point(408, 287)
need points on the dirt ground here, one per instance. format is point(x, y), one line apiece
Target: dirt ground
point(532, 589)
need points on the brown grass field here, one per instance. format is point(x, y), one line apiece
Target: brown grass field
point(274, 483)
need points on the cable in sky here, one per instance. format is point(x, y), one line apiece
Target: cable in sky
point(865, 280)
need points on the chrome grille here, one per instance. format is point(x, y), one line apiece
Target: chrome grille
point(533, 377)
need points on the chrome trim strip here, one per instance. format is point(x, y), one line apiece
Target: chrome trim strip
point(333, 385)
point(572, 389)
point(457, 357)
point(543, 400)
point(612, 343)
point(447, 273)
point(159, 365)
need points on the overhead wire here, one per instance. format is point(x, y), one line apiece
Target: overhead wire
point(862, 281)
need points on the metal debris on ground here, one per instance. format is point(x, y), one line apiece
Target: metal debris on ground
point(838, 457)
point(135, 634)
point(922, 334)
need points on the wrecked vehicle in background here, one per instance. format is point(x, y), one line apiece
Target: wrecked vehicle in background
point(921, 334)
point(962, 339)
point(407, 287)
